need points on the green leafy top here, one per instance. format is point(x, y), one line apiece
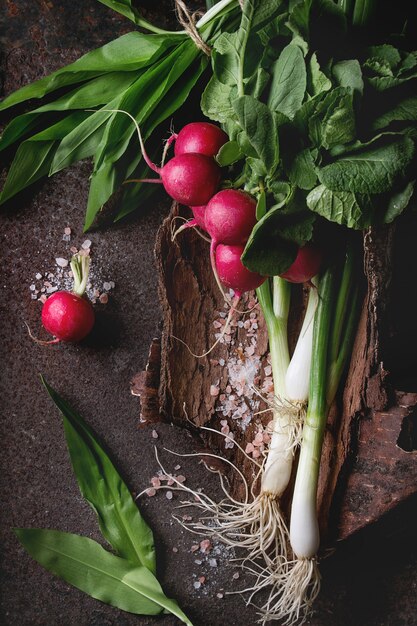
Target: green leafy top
point(313, 123)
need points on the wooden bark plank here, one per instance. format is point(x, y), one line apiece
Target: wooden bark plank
point(360, 452)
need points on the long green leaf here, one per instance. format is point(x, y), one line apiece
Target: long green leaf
point(94, 93)
point(84, 564)
point(102, 486)
point(129, 52)
point(34, 156)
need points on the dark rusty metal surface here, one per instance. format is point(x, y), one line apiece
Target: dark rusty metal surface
point(369, 582)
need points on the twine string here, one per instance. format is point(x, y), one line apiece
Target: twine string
point(188, 22)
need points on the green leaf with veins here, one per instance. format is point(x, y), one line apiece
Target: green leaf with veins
point(372, 169)
point(334, 120)
point(398, 202)
point(261, 127)
point(289, 81)
point(349, 74)
point(317, 80)
point(216, 101)
point(302, 171)
point(229, 153)
point(275, 239)
point(343, 207)
point(404, 111)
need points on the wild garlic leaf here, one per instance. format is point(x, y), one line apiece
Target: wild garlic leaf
point(289, 82)
point(129, 52)
point(343, 207)
point(104, 489)
point(334, 120)
point(372, 169)
point(95, 92)
point(349, 74)
point(83, 563)
point(261, 128)
point(34, 156)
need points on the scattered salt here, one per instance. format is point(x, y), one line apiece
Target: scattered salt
point(212, 562)
point(86, 245)
point(169, 495)
point(155, 434)
point(220, 595)
point(150, 492)
point(61, 262)
point(174, 549)
point(104, 298)
point(38, 276)
point(106, 286)
point(197, 584)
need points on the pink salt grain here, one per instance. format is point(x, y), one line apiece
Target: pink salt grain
point(104, 298)
point(150, 492)
point(154, 434)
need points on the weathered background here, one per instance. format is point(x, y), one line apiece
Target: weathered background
point(369, 581)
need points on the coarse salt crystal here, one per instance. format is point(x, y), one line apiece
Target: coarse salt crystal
point(61, 262)
point(169, 495)
point(205, 545)
point(194, 548)
point(197, 584)
point(214, 391)
point(155, 434)
point(84, 252)
point(181, 478)
point(156, 483)
point(198, 561)
point(177, 467)
point(38, 276)
point(86, 245)
point(32, 287)
point(202, 579)
point(222, 362)
point(43, 298)
point(74, 250)
point(220, 595)
point(235, 576)
point(150, 492)
point(104, 298)
point(106, 286)
point(174, 549)
point(212, 562)
point(249, 448)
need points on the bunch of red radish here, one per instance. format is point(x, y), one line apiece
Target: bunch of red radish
point(192, 177)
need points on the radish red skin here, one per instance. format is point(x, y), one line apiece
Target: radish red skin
point(230, 216)
point(306, 265)
point(67, 316)
point(232, 272)
point(201, 138)
point(199, 213)
point(191, 179)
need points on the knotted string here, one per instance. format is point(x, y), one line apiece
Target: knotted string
point(188, 22)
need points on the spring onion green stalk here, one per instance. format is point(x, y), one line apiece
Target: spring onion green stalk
point(334, 327)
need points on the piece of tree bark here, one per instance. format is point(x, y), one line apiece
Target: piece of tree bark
point(364, 473)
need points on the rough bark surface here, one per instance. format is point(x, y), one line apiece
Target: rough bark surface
point(368, 463)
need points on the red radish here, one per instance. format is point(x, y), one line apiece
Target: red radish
point(67, 316)
point(231, 271)
point(230, 216)
point(200, 138)
point(190, 179)
point(306, 265)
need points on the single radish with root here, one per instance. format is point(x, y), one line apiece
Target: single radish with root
point(189, 178)
point(68, 315)
point(306, 265)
